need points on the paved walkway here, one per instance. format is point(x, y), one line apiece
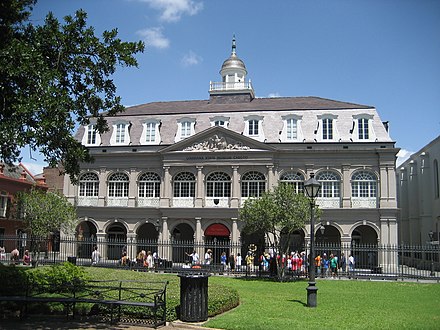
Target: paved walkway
point(61, 323)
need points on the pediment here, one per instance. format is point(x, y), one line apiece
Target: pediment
point(217, 139)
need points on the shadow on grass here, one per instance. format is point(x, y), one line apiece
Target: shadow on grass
point(298, 302)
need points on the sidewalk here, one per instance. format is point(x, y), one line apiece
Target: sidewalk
point(34, 323)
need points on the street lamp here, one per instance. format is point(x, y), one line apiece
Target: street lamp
point(431, 236)
point(312, 187)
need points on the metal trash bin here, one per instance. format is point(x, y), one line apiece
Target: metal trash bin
point(72, 260)
point(193, 296)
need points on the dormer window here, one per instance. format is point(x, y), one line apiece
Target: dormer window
point(327, 130)
point(363, 128)
point(120, 134)
point(185, 128)
point(91, 136)
point(291, 129)
point(150, 132)
point(219, 121)
point(254, 127)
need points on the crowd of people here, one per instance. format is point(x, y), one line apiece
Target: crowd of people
point(15, 256)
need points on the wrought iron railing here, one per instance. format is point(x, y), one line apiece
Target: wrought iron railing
point(371, 260)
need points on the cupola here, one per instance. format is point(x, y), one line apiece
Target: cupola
point(233, 88)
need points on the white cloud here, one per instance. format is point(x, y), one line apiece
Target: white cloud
point(275, 94)
point(402, 156)
point(173, 10)
point(154, 37)
point(191, 58)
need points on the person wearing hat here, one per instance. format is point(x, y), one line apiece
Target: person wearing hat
point(208, 257)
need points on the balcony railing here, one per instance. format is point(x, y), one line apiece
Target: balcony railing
point(328, 202)
point(148, 201)
point(117, 201)
point(364, 202)
point(87, 201)
point(216, 202)
point(225, 86)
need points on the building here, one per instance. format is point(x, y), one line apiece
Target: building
point(418, 196)
point(179, 171)
point(14, 179)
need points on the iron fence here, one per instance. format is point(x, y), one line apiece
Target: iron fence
point(370, 260)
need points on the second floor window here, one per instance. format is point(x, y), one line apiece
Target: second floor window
point(185, 129)
point(88, 185)
point(253, 184)
point(363, 184)
point(149, 185)
point(330, 184)
point(118, 185)
point(295, 179)
point(3, 204)
point(184, 185)
point(218, 184)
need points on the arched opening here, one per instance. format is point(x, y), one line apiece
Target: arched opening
point(217, 239)
point(364, 247)
point(86, 238)
point(253, 244)
point(147, 236)
point(117, 241)
point(328, 241)
point(182, 242)
point(293, 242)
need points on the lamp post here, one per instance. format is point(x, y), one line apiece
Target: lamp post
point(431, 236)
point(312, 186)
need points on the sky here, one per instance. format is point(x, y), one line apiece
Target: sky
point(381, 53)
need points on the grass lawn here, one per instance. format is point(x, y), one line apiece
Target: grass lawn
point(341, 305)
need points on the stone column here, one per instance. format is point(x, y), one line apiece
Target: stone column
point(199, 187)
point(235, 189)
point(132, 187)
point(166, 190)
point(103, 191)
point(271, 181)
point(346, 186)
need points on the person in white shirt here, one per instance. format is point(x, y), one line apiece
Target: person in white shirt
point(96, 256)
point(208, 257)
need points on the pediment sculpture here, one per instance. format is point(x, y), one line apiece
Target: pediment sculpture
point(216, 143)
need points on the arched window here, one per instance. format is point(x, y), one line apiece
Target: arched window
point(149, 185)
point(296, 179)
point(330, 184)
point(118, 185)
point(218, 184)
point(253, 184)
point(363, 184)
point(184, 185)
point(89, 185)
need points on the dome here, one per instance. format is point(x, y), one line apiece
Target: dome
point(233, 62)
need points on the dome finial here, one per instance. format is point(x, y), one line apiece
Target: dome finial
point(233, 45)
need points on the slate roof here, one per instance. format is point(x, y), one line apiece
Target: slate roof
point(257, 104)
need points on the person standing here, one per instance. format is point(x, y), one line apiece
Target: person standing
point(231, 262)
point(150, 260)
point(96, 256)
point(351, 263)
point(208, 257)
point(343, 263)
point(223, 260)
point(238, 261)
point(195, 259)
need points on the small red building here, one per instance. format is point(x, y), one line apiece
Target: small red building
point(14, 179)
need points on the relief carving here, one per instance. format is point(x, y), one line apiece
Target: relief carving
point(216, 143)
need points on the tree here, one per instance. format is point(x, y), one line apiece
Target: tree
point(276, 213)
point(44, 214)
point(52, 78)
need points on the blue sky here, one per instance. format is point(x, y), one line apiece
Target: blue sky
point(381, 53)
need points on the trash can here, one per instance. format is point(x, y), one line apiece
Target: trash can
point(72, 260)
point(193, 296)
